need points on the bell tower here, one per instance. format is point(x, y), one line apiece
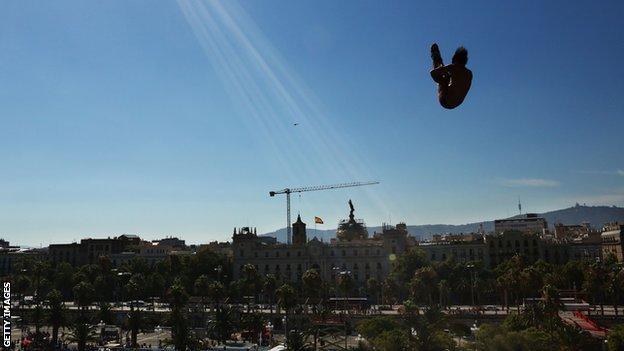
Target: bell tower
point(299, 232)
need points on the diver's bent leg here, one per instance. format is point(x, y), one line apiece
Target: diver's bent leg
point(436, 57)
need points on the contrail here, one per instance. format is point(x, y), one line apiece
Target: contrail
point(260, 83)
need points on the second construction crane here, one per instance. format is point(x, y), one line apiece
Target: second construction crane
point(288, 191)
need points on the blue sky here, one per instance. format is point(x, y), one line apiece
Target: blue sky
point(176, 118)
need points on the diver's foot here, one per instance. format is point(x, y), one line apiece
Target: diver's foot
point(435, 55)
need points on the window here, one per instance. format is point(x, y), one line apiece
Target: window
point(287, 253)
point(276, 253)
point(378, 265)
point(355, 252)
point(344, 253)
point(241, 253)
point(298, 253)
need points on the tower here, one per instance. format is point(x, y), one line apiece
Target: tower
point(299, 232)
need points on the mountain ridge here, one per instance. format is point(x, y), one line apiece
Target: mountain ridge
point(597, 216)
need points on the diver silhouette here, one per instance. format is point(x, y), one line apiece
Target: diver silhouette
point(453, 80)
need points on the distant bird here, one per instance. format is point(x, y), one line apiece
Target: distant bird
point(295, 124)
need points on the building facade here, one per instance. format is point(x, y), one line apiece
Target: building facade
point(613, 241)
point(494, 249)
point(461, 248)
point(529, 223)
point(352, 252)
point(13, 259)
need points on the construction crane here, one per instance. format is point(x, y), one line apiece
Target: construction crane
point(288, 191)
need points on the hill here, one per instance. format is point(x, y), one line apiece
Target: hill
point(595, 215)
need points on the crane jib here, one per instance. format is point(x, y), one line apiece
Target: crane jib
point(288, 191)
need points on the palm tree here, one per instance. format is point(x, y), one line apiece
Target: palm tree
point(223, 324)
point(254, 324)
point(56, 314)
point(269, 287)
point(180, 331)
point(426, 329)
point(372, 287)
point(82, 333)
point(134, 291)
point(296, 341)
point(84, 294)
point(389, 290)
point(156, 284)
point(444, 289)
point(250, 281)
point(202, 287)
point(615, 285)
point(311, 283)
point(216, 291)
point(594, 284)
point(286, 297)
point(105, 313)
point(424, 283)
point(21, 285)
point(345, 283)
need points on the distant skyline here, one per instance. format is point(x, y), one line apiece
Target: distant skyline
point(178, 117)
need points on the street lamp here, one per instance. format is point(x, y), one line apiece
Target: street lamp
point(158, 331)
point(472, 282)
point(360, 340)
point(269, 328)
point(284, 321)
point(101, 325)
point(218, 269)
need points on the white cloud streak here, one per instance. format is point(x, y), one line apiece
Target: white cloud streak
point(531, 182)
point(618, 172)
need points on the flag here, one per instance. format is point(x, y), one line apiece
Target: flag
point(318, 220)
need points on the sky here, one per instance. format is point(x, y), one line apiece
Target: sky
point(176, 118)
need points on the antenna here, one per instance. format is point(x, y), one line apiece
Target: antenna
point(519, 205)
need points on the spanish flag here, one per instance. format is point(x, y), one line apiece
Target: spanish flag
point(318, 220)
